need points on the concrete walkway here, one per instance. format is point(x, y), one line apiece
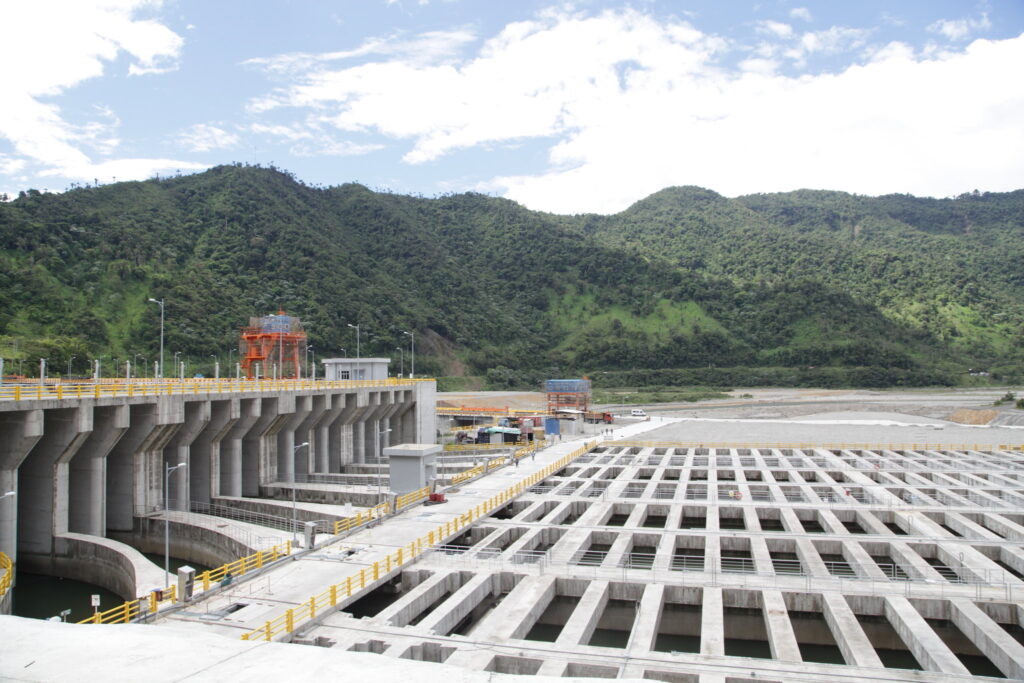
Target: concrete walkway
point(311, 573)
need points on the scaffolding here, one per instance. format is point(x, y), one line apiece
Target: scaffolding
point(568, 394)
point(273, 346)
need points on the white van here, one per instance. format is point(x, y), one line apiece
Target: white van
point(637, 412)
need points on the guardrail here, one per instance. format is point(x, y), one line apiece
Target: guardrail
point(6, 574)
point(131, 609)
point(456, 447)
point(822, 446)
point(506, 411)
point(26, 392)
point(329, 598)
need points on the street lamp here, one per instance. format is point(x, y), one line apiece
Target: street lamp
point(380, 456)
point(308, 350)
point(161, 303)
point(412, 337)
point(174, 365)
point(70, 361)
point(167, 521)
point(295, 523)
point(356, 328)
point(216, 367)
point(401, 351)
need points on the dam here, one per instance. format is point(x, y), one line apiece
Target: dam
point(620, 555)
point(87, 466)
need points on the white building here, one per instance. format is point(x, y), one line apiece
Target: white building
point(355, 368)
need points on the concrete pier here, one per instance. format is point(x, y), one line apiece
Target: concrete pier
point(95, 465)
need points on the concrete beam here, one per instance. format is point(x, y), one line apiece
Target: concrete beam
point(230, 479)
point(989, 637)
point(178, 450)
point(204, 453)
point(583, 622)
point(43, 478)
point(848, 633)
point(293, 430)
point(19, 432)
point(259, 445)
point(134, 464)
point(780, 629)
point(926, 646)
point(712, 622)
point(645, 626)
point(88, 471)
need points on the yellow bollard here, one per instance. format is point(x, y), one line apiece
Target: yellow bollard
point(312, 607)
point(289, 620)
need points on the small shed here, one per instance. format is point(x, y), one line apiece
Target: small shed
point(411, 466)
point(355, 368)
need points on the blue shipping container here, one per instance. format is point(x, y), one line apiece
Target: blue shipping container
point(551, 426)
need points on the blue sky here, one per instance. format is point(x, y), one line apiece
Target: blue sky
point(565, 107)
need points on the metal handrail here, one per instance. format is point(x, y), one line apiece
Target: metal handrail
point(329, 598)
point(6, 574)
point(27, 391)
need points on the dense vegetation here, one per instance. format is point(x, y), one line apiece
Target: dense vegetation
point(684, 287)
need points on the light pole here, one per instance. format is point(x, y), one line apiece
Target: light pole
point(161, 303)
point(356, 328)
point(380, 456)
point(412, 370)
point(295, 523)
point(135, 364)
point(308, 350)
point(167, 521)
point(216, 367)
point(401, 351)
point(174, 365)
point(70, 361)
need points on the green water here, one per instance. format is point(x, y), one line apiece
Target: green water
point(41, 597)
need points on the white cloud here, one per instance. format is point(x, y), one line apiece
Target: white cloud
point(801, 13)
point(53, 46)
point(204, 137)
point(308, 139)
point(775, 28)
point(634, 105)
point(960, 29)
point(123, 169)
point(10, 165)
point(426, 48)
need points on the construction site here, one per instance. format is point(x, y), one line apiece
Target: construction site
point(666, 548)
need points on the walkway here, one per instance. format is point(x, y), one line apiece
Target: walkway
point(292, 584)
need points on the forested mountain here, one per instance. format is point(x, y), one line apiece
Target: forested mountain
point(684, 286)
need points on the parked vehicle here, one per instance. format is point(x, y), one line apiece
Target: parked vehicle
point(637, 412)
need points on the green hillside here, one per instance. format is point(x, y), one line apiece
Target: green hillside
point(684, 286)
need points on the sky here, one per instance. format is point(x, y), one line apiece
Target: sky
point(567, 107)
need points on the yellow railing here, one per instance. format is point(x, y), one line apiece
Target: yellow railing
point(411, 498)
point(505, 411)
point(310, 608)
point(825, 446)
point(455, 447)
point(129, 610)
point(121, 614)
point(25, 392)
point(6, 574)
point(243, 565)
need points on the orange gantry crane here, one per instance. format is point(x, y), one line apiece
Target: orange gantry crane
point(273, 346)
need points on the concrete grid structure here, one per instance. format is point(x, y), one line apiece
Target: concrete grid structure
point(688, 563)
point(89, 470)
